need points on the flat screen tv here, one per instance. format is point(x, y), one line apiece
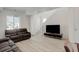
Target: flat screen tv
point(53, 29)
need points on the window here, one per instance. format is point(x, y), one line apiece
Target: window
point(13, 22)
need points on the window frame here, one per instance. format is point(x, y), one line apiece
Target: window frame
point(13, 22)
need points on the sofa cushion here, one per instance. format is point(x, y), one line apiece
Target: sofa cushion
point(4, 40)
point(18, 34)
point(14, 37)
point(2, 45)
point(24, 35)
point(7, 45)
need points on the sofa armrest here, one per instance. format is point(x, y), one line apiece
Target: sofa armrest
point(7, 35)
point(4, 40)
point(29, 32)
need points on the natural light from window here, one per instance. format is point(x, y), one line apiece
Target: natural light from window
point(13, 22)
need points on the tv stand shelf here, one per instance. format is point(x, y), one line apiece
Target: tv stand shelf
point(55, 35)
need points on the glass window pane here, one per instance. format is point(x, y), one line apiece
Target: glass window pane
point(13, 22)
point(16, 22)
point(9, 22)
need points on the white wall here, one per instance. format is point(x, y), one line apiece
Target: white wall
point(71, 25)
point(24, 21)
point(37, 21)
point(57, 16)
point(74, 25)
point(35, 24)
point(2, 25)
point(60, 17)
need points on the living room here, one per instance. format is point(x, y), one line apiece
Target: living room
point(25, 27)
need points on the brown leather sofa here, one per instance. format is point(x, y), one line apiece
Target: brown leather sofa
point(7, 45)
point(18, 34)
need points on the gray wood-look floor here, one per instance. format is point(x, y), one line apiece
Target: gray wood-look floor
point(41, 43)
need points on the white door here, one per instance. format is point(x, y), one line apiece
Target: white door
point(76, 25)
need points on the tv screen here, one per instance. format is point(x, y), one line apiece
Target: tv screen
point(53, 29)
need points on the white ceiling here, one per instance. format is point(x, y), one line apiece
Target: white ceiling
point(29, 10)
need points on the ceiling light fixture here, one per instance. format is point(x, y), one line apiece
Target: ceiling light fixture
point(44, 20)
